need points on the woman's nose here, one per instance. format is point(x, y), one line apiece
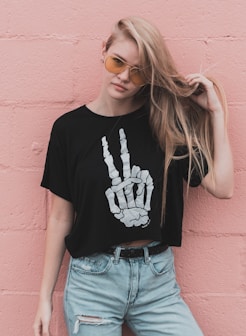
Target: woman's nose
point(125, 75)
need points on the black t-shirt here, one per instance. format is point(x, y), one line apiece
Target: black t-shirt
point(111, 170)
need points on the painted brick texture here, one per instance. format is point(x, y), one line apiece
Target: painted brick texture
point(50, 64)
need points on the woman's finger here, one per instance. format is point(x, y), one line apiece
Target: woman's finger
point(196, 79)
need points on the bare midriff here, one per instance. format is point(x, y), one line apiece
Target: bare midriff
point(136, 243)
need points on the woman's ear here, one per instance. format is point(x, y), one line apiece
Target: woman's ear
point(103, 49)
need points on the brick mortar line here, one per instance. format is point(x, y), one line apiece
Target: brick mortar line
point(30, 38)
point(216, 295)
point(38, 103)
point(27, 169)
point(78, 38)
point(74, 39)
point(207, 38)
point(239, 170)
point(215, 234)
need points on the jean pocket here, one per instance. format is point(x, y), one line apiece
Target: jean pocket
point(161, 264)
point(94, 264)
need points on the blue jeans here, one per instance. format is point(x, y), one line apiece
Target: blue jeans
point(103, 291)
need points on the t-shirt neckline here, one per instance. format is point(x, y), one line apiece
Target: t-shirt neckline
point(127, 115)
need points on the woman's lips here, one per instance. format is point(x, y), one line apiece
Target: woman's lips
point(119, 87)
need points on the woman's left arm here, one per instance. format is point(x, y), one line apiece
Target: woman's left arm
point(222, 183)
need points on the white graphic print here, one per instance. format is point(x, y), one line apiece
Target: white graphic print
point(129, 200)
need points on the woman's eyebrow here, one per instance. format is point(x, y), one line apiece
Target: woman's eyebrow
point(123, 59)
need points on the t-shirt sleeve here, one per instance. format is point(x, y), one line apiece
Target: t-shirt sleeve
point(55, 176)
point(196, 174)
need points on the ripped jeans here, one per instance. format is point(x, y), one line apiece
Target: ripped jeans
point(104, 291)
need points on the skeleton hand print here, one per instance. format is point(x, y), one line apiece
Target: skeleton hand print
point(129, 199)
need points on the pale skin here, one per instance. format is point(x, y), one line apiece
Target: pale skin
point(117, 96)
point(223, 183)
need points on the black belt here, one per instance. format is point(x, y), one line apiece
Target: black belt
point(137, 252)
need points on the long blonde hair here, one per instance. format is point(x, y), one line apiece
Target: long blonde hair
point(175, 118)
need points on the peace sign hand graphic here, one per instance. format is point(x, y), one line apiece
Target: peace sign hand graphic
point(130, 207)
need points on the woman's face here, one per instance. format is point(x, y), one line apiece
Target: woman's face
point(120, 86)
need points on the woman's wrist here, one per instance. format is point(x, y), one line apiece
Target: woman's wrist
point(45, 295)
point(217, 113)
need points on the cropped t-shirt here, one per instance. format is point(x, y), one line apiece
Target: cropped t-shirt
point(111, 170)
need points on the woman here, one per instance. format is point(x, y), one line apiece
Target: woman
point(115, 168)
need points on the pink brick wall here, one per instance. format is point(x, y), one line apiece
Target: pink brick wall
point(49, 64)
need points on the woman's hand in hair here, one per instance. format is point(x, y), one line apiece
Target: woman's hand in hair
point(204, 94)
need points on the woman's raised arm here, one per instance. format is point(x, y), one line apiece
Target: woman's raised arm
point(222, 182)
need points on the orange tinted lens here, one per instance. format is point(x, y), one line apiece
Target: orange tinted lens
point(114, 65)
point(136, 76)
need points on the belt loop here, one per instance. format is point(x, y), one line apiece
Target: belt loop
point(117, 252)
point(146, 255)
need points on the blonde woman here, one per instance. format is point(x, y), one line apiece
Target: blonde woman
point(115, 168)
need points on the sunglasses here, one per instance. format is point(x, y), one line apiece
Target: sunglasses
point(116, 65)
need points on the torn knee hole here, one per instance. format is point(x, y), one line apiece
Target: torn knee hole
point(87, 319)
